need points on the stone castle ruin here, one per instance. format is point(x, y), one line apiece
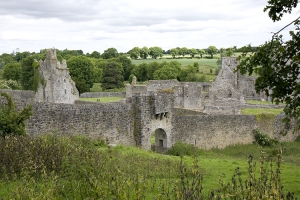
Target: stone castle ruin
point(55, 83)
point(206, 115)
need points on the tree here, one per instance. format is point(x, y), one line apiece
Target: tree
point(152, 67)
point(126, 65)
point(211, 50)
point(81, 67)
point(277, 62)
point(144, 52)
point(169, 71)
point(183, 51)
point(140, 71)
point(135, 53)
point(201, 52)
point(12, 122)
point(95, 54)
point(174, 52)
point(12, 71)
point(110, 53)
point(112, 76)
point(27, 73)
point(192, 52)
point(6, 58)
point(156, 52)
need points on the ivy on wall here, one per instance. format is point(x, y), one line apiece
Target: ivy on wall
point(37, 79)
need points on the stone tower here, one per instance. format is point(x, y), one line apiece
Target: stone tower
point(55, 83)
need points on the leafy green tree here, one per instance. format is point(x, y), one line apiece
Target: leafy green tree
point(6, 59)
point(174, 52)
point(135, 53)
point(95, 54)
point(192, 52)
point(151, 68)
point(126, 65)
point(12, 122)
point(201, 52)
point(277, 62)
point(144, 52)
point(169, 71)
point(183, 51)
point(211, 50)
point(112, 76)
point(156, 52)
point(81, 67)
point(21, 55)
point(140, 71)
point(27, 73)
point(12, 71)
point(110, 53)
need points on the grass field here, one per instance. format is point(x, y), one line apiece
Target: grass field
point(102, 99)
point(77, 167)
point(261, 102)
point(184, 61)
point(255, 111)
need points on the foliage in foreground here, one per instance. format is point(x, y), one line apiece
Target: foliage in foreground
point(12, 122)
point(277, 62)
point(60, 167)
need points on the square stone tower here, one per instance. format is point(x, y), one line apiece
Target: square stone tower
point(54, 81)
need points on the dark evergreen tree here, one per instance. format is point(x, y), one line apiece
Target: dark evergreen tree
point(112, 76)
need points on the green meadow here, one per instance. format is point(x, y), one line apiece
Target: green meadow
point(77, 167)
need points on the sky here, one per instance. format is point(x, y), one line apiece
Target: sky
point(96, 25)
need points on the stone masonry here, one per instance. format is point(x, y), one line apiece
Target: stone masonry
point(55, 85)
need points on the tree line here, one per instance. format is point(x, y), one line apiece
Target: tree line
point(156, 52)
point(110, 69)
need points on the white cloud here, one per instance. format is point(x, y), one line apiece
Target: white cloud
point(31, 25)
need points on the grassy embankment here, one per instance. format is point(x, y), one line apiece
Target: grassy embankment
point(52, 167)
point(255, 111)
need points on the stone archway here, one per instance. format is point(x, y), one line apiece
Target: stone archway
point(159, 144)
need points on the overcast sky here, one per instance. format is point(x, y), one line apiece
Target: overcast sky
point(31, 25)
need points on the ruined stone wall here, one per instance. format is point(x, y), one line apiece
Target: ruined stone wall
point(20, 95)
point(102, 94)
point(55, 83)
point(219, 131)
point(112, 121)
point(148, 119)
point(155, 85)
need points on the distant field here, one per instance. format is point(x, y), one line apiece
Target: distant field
point(255, 111)
point(183, 61)
point(261, 102)
point(102, 99)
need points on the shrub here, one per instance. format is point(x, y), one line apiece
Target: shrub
point(182, 149)
point(263, 139)
point(297, 139)
point(11, 121)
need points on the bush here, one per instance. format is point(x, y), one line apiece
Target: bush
point(11, 121)
point(182, 149)
point(263, 139)
point(297, 139)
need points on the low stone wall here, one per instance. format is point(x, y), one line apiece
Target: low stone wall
point(112, 121)
point(219, 131)
point(102, 94)
point(20, 95)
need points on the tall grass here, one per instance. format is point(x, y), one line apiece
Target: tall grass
point(76, 167)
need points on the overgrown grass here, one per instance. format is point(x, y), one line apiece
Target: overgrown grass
point(261, 102)
point(255, 111)
point(76, 167)
point(102, 99)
